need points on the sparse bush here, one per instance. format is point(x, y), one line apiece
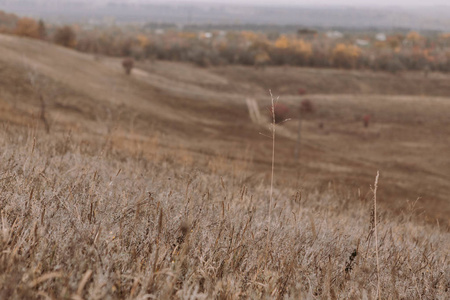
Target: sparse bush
point(8, 22)
point(320, 57)
point(389, 63)
point(128, 64)
point(201, 57)
point(301, 91)
point(65, 36)
point(281, 112)
point(306, 106)
point(42, 29)
point(366, 120)
point(395, 65)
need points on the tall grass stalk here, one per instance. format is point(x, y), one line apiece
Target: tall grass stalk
point(376, 231)
point(273, 128)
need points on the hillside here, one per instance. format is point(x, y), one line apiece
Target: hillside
point(156, 185)
point(203, 112)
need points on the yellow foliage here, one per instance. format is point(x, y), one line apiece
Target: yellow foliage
point(249, 35)
point(345, 55)
point(296, 45)
point(413, 36)
point(188, 35)
point(143, 40)
point(347, 50)
point(282, 42)
point(300, 46)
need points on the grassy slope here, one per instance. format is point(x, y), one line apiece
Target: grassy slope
point(202, 112)
point(125, 152)
point(408, 135)
point(88, 221)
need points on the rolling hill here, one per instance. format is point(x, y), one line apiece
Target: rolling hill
point(157, 184)
point(203, 113)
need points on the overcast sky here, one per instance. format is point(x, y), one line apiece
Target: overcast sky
point(356, 3)
point(313, 2)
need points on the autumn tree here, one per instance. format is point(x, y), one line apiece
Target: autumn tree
point(345, 56)
point(291, 51)
point(8, 22)
point(27, 27)
point(42, 30)
point(65, 36)
point(414, 37)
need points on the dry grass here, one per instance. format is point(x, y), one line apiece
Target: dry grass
point(286, 80)
point(92, 223)
point(203, 112)
point(135, 193)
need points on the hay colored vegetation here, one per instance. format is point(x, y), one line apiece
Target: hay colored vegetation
point(152, 186)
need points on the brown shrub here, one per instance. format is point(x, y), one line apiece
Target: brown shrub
point(366, 120)
point(42, 29)
point(301, 91)
point(65, 36)
point(281, 112)
point(306, 106)
point(128, 64)
point(28, 27)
